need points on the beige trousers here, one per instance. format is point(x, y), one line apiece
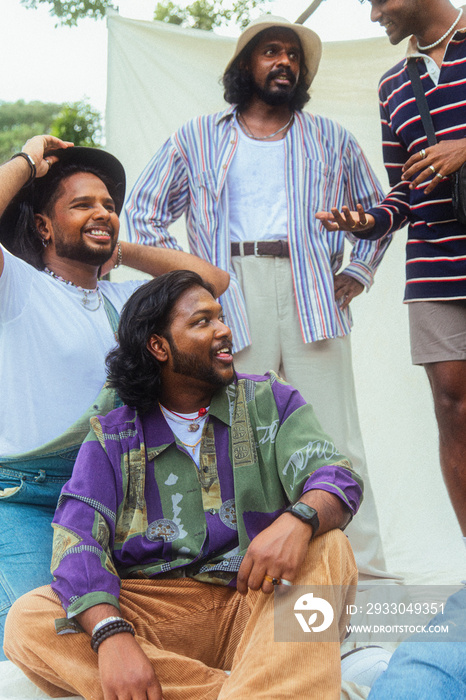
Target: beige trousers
point(191, 631)
point(321, 371)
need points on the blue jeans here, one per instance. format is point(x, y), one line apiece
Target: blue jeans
point(422, 669)
point(27, 507)
point(30, 485)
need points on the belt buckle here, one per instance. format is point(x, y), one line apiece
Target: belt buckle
point(260, 255)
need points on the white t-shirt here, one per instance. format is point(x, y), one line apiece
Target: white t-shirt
point(52, 353)
point(257, 190)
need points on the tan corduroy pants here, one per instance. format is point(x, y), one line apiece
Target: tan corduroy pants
point(192, 632)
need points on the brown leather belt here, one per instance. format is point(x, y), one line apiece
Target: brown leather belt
point(277, 248)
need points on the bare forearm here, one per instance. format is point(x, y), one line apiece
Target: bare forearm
point(125, 670)
point(13, 175)
point(332, 512)
point(90, 617)
point(156, 261)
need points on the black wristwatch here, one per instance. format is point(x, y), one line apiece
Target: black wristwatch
point(306, 514)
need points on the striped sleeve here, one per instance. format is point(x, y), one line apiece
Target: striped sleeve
point(159, 197)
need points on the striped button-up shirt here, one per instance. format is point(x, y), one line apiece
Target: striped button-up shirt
point(325, 167)
point(435, 252)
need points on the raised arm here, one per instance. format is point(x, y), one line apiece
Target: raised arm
point(15, 173)
point(157, 261)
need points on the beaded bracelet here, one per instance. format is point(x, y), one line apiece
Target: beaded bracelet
point(108, 630)
point(31, 164)
point(105, 622)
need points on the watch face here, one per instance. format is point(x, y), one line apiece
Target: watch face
point(304, 510)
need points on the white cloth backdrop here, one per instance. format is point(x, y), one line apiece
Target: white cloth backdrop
point(159, 76)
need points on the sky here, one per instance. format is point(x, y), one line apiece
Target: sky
point(39, 61)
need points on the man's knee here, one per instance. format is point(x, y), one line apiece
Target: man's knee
point(448, 383)
point(335, 556)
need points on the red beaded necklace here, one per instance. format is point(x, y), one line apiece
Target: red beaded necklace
point(193, 424)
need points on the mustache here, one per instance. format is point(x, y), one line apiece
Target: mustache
point(282, 71)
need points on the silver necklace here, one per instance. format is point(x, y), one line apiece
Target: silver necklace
point(85, 301)
point(449, 31)
point(247, 131)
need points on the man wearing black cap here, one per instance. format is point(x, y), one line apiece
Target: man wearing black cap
point(59, 228)
point(250, 180)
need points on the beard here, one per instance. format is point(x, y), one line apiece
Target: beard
point(190, 365)
point(281, 95)
point(81, 252)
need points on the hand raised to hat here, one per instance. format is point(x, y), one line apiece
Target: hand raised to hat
point(346, 220)
point(435, 163)
point(39, 146)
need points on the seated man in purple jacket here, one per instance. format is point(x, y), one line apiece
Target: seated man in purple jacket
point(187, 507)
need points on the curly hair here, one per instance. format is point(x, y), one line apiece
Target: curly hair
point(239, 86)
point(18, 231)
point(132, 369)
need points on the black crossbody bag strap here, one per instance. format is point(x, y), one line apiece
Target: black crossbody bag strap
point(421, 101)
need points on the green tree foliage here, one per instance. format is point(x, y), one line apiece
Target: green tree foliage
point(68, 12)
point(200, 14)
point(21, 120)
point(206, 14)
point(79, 123)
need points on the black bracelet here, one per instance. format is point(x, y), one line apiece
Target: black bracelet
point(31, 164)
point(108, 630)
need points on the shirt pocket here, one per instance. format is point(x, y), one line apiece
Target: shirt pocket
point(320, 186)
point(206, 200)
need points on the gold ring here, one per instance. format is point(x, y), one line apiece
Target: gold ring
point(431, 167)
point(353, 224)
point(273, 581)
point(422, 153)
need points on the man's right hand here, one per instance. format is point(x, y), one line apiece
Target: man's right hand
point(125, 671)
point(39, 146)
point(346, 220)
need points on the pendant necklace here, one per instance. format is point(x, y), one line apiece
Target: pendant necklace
point(194, 423)
point(191, 447)
point(449, 31)
point(85, 301)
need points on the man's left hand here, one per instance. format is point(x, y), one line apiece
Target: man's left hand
point(436, 162)
point(346, 288)
point(277, 552)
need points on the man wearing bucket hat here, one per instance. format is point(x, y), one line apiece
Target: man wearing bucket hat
point(250, 180)
point(59, 208)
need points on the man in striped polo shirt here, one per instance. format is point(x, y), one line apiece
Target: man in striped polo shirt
point(421, 196)
point(249, 181)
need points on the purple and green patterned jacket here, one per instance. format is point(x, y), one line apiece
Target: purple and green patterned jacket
point(138, 506)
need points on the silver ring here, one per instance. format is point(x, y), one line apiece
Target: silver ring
point(422, 153)
point(284, 582)
point(438, 175)
point(48, 162)
point(431, 167)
